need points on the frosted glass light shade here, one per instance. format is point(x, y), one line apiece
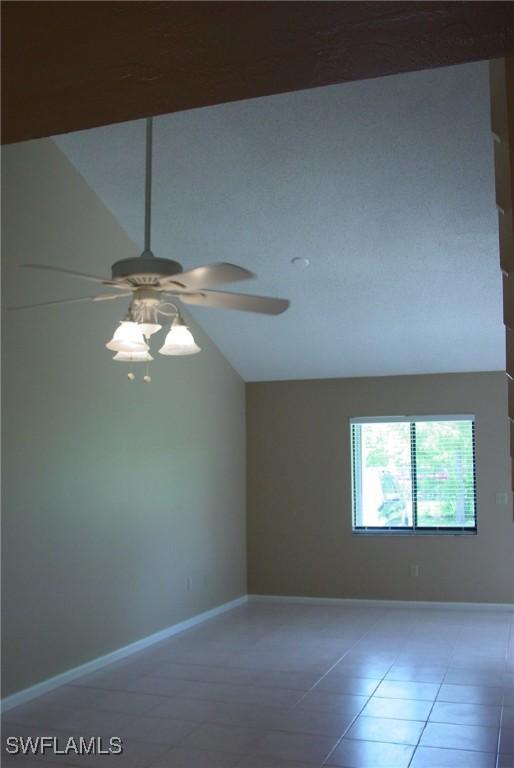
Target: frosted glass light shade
point(127, 338)
point(147, 319)
point(147, 329)
point(133, 357)
point(179, 341)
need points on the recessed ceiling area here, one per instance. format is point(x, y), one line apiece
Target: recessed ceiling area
point(386, 186)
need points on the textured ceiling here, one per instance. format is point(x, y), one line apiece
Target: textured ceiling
point(386, 185)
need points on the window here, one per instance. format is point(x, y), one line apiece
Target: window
point(414, 474)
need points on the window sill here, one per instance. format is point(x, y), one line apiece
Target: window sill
point(420, 532)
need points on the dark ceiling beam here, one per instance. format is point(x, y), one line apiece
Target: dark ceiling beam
point(74, 65)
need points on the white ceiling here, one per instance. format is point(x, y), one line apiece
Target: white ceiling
point(386, 185)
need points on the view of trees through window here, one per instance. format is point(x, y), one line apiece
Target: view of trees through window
point(414, 474)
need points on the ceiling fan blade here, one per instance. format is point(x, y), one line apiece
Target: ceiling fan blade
point(50, 303)
point(110, 296)
point(69, 272)
point(107, 297)
point(241, 301)
point(211, 274)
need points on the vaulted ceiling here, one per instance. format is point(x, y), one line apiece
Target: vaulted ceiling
point(385, 185)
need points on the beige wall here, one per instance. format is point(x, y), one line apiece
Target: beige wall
point(299, 493)
point(114, 493)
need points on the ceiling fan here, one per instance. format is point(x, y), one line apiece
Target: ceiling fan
point(150, 280)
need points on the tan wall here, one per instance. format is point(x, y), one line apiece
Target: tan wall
point(299, 493)
point(114, 493)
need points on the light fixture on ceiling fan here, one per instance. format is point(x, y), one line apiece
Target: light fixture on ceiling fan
point(149, 280)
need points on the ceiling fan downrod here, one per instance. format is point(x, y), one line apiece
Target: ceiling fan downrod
point(146, 268)
point(147, 253)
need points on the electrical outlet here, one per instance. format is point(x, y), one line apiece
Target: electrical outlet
point(188, 583)
point(502, 498)
point(205, 580)
point(414, 570)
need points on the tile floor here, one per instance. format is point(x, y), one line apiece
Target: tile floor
point(298, 686)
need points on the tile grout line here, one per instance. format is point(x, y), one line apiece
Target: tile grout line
point(292, 708)
point(427, 718)
point(348, 650)
point(507, 651)
point(353, 720)
point(359, 714)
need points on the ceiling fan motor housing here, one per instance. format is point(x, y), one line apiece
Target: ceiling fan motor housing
point(144, 269)
point(146, 297)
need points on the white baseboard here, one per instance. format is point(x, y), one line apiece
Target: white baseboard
point(365, 603)
point(102, 661)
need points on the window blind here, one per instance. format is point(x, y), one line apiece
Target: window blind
point(414, 474)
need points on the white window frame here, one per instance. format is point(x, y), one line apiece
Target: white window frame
point(415, 530)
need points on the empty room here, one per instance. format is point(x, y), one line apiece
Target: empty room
point(257, 385)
